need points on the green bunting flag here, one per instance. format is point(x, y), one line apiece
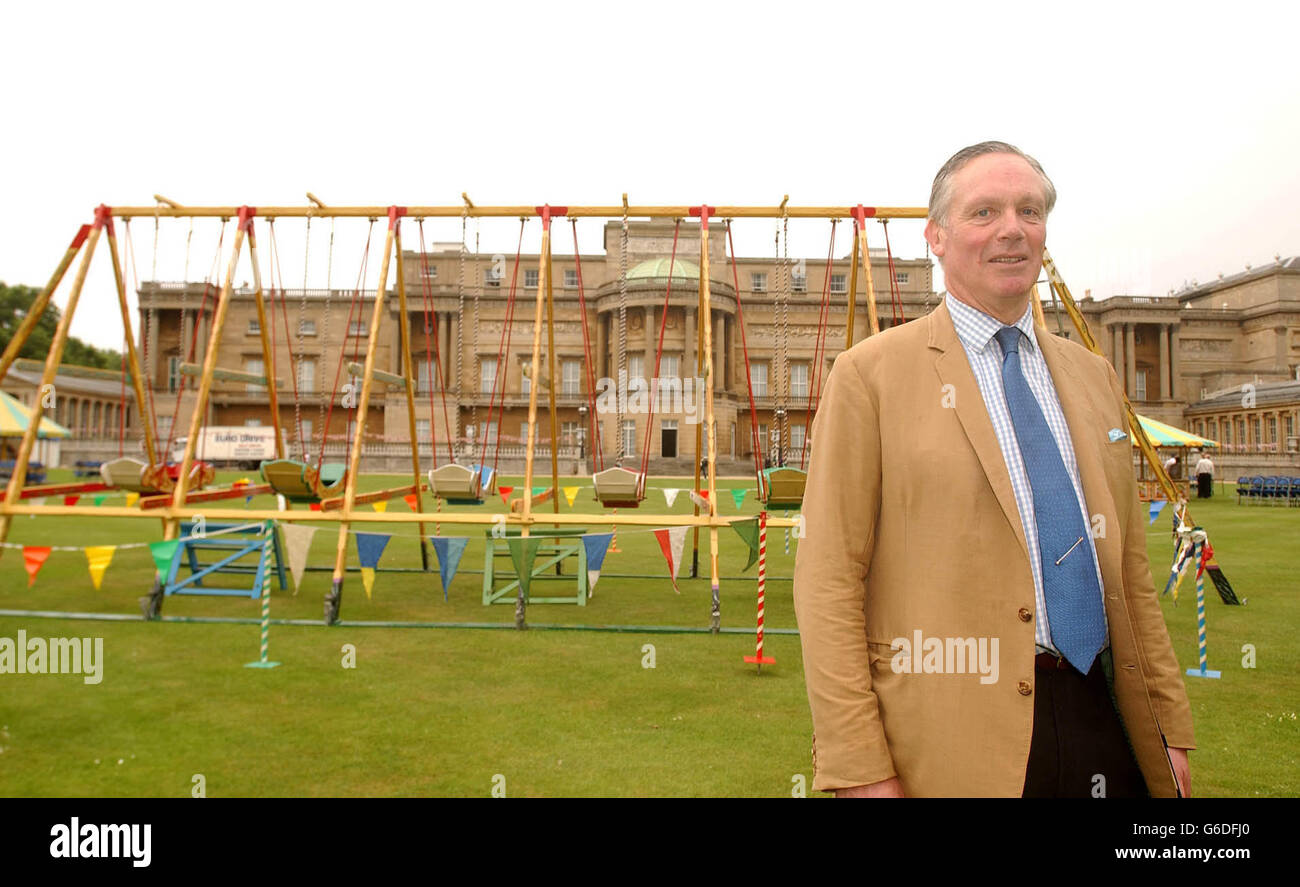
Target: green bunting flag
point(748, 531)
point(163, 555)
point(738, 496)
point(523, 552)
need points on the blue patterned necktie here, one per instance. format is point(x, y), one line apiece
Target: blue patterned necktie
point(1074, 609)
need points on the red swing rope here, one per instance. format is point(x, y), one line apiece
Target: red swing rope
point(434, 357)
point(896, 296)
point(659, 352)
point(599, 458)
point(503, 351)
point(347, 331)
point(749, 382)
point(277, 270)
point(814, 374)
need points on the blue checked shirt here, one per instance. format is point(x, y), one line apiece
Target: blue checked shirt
point(976, 329)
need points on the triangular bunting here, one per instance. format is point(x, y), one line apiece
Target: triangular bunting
point(99, 498)
point(98, 558)
point(505, 493)
point(242, 482)
point(701, 498)
point(449, 550)
point(748, 530)
point(670, 495)
point(34, 557)
point(297, 542)
point(537, 491)
point(314, 506)
point(412, 501)
point(523, 552)
point(163, 555)
point(380, 506)
point(70, 500)
point(370, 546)
point(570, 493)
point(738, 496)
point(131, 499)
point(670, 543)
point(596, 545)
point(1157, 506)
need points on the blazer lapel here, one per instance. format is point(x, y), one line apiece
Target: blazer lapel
point(1087, 435)
point(954, 369)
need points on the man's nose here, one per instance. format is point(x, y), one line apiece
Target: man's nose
point(1011, 226)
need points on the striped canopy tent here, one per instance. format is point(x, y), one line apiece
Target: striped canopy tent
point(14, 418)
point(1163, 435)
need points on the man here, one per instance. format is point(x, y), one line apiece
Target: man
point(1204, 477)
point(972, 586)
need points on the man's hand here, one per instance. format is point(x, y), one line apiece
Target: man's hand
point(889, 788)
point(1182, 770)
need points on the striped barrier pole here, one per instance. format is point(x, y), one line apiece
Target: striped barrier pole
point(613, 543)
point(758, 659)
point(1204, 670)
point(787, 535)
point(263, 661)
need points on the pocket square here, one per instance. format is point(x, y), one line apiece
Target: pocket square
point(1115, 434)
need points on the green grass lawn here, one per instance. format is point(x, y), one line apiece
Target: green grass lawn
point(445, 711)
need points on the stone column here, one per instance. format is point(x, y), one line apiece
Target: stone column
point(1130, 361)
point(689, 356)
point(1117, 350)
point(453, 336)
point(651, 334)
point(1164, 361)
point(601, 368)
point(719, 351)
point(1175, 365)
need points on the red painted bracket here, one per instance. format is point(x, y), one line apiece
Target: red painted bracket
point(546, 211)
point(702, 212)
point(395, 213)
point(82, 234)
point(861, 213)
point(246, 214)
point(104, 218)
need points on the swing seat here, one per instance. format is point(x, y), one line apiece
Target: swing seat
point(618, 487)
point(460, 485)
point(784, 487)
point(299, 482)
point(135, 476)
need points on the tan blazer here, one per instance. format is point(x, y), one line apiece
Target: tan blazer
point(911, 524)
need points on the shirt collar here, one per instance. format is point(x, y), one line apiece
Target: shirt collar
point(976, 329)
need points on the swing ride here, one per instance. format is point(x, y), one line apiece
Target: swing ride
point(175, 492)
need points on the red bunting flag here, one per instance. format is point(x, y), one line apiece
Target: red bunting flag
point(34, 557)
point(70, 500)
point(505, 494)
point(411, 500)
point(314, 506)
point(671, 541)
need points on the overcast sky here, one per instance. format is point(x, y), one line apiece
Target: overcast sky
point(1170, 130)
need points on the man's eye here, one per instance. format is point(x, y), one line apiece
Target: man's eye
point(983, 213)
point(1030, 211)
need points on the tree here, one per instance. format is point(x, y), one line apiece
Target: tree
point(14, 302)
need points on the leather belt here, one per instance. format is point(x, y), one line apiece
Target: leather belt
point(1050, 662)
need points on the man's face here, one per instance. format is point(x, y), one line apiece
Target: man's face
point(992, 245)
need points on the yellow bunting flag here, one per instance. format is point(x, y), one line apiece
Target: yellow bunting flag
point(381, 507)
point(98, 558)
point(368, 579)
point(570, 493)
point(131, 499)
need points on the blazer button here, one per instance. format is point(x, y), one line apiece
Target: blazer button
point(1024, 688)
point(1025, 615)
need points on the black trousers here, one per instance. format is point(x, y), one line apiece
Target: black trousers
point(1204, 485)
point(1079, 749)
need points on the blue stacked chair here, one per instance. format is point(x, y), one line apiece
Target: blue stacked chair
point(1294, 496)
point(1256, 489)
point(1243, 488)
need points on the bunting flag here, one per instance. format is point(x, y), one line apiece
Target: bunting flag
point(70, 500)
point(163, 555)
point(412, 501)
point(242, 482)
point(380, 506)
point(40, 500)
point(570, 493)
point(98, 558)
point(701, 498)
point(99, 498)
point(369, 548)
point(523, 552)
point(738, 496)
point(670, 495)
point(131, 499)
point(1157, 506)
point(670, 543)
point(505, 492)
point(314, 506)
point(449, 550)
point(247, 499)
point(34, 557)
point(748, 531)
point(537, 491)
point(297, 542)
point(596, 544)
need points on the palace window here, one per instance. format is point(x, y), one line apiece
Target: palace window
point(758, 281)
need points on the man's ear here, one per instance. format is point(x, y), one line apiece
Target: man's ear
point(936, 237)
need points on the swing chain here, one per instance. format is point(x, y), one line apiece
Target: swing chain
point(622, 336)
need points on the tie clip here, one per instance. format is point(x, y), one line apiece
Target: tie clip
point(1067, 553)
